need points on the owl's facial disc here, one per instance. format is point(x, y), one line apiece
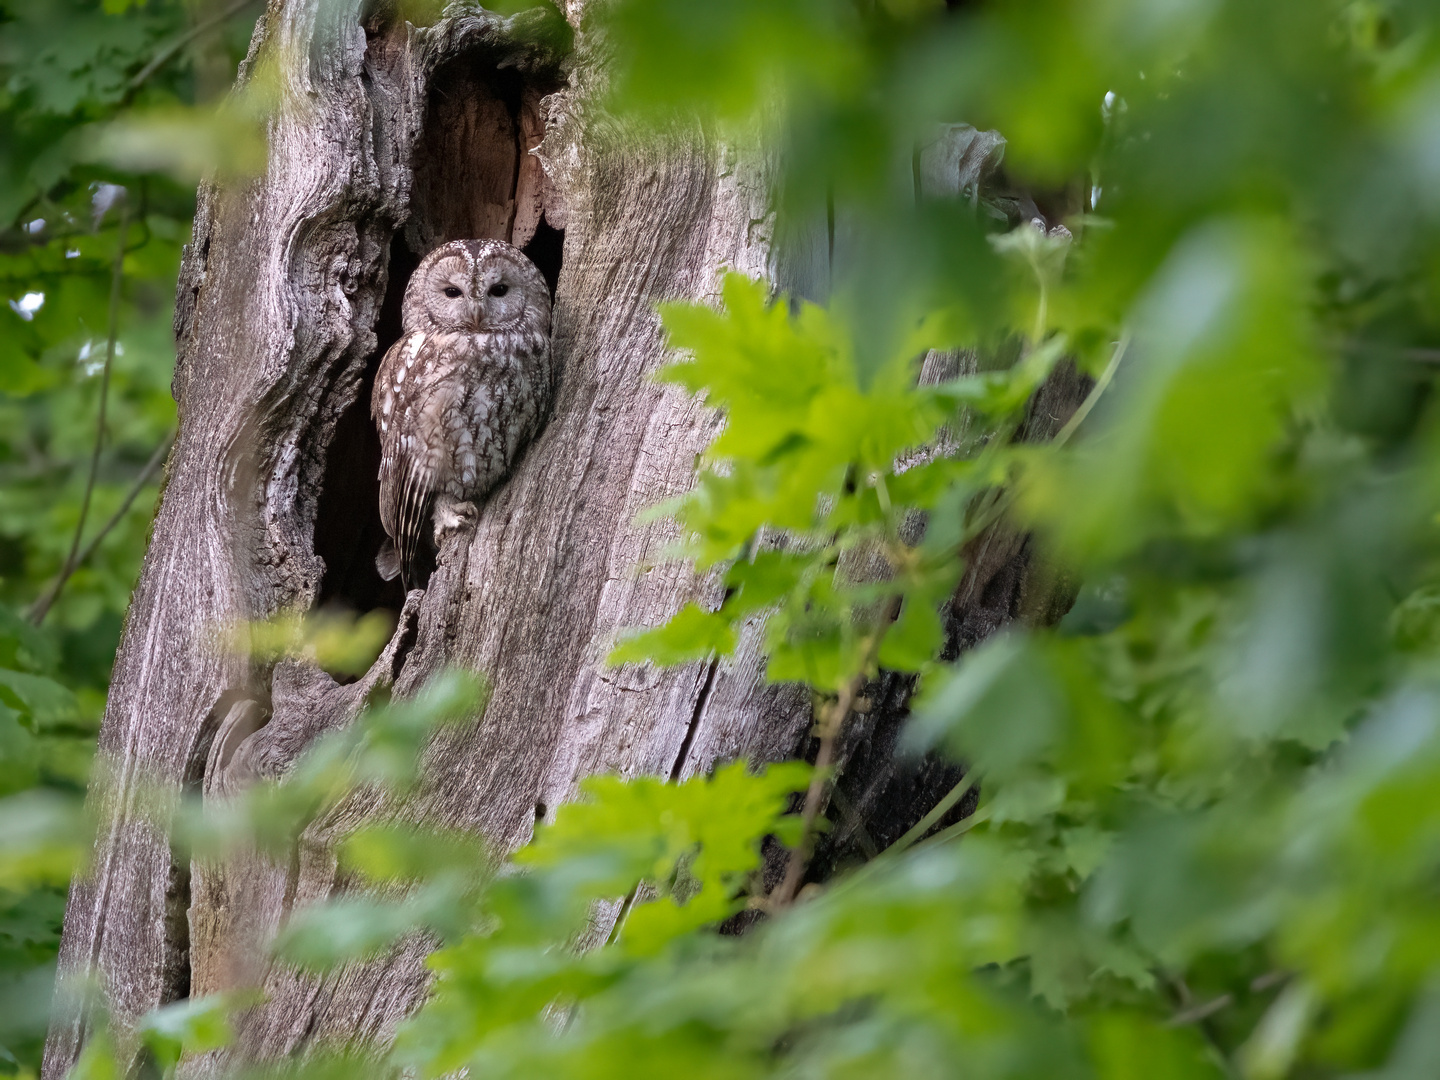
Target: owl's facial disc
point(498, 297)
point(449, 287)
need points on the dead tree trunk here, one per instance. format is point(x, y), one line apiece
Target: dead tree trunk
point(389, 139)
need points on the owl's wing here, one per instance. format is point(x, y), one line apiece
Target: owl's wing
point(406, 398)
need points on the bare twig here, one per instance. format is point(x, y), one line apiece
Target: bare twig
point(998, 504)
point(1414, 354)
point(1269, 980)
point(623, 914)
point(834, 716)
point(42, 606)
point(886, 858)
point(151, 467)
point(1202, 1019)
point(1197, 1013)
point(168, 52)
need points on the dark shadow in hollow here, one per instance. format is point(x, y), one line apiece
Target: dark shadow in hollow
point(545, 250)
point(348, 533)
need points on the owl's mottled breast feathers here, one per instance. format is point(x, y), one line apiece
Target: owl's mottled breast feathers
point(464, 389)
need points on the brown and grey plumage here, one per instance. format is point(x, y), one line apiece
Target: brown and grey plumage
point(462, 391)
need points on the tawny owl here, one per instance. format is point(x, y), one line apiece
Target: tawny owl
point(462, 391)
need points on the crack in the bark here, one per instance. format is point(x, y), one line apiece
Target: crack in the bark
point(700, 702)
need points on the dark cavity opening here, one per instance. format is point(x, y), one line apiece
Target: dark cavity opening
point(545, 250)
point(474, 177)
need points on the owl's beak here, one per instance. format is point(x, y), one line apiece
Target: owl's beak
point(477, 314)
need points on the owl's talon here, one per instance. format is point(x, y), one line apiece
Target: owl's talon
point(453, 517)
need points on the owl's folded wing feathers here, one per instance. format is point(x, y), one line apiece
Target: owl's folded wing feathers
point(408, 464)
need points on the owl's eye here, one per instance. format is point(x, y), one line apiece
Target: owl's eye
point(499, 289)
point(451, 291)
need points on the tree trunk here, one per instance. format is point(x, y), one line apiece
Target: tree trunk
point(387, 140)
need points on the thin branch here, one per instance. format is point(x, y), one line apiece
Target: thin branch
point(943, 807)
point(1185, 1001)
point(1261, 983)
point(1197, 1013)
point(1078, 417)
point(42, 606)
point(987, 517)
point(960, 828)
point(1001, 502)
point(623, 914)
point(886, 858)
point(168, 52)
point(151, 467)
point(1414, 354)
point(831, 724)
point(839, 710)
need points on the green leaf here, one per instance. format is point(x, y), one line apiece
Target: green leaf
point(1000, 706)
point(706, 829)
point(915, 638)
point(392, 852)
point(1188, 439)
point(43, 837)
point(323, 936)
point(1130, 1047)
point(42, 703)
point(691, 634)
point(195, 1026)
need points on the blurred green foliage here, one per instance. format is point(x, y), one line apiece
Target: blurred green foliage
point(1208, 843)
point(1205, 829)
point(77, 78)
point(338, 641)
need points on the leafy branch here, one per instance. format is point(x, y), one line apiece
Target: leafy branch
point(832, 722)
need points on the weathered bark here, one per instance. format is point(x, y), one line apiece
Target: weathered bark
point(282, 313)
point(387, 140)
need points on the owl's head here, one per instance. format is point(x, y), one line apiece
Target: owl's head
point(476, 285)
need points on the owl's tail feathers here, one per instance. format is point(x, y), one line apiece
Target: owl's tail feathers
point(388, 561)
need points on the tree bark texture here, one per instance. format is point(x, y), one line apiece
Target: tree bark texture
point(387, 140)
